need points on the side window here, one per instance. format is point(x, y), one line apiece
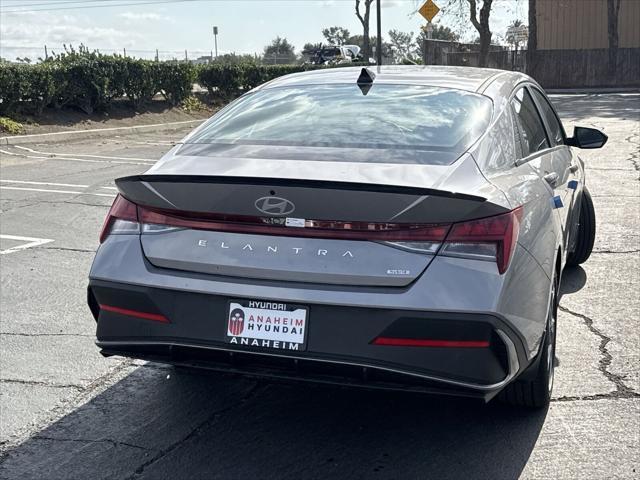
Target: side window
point(532, 134)
point(557, 137)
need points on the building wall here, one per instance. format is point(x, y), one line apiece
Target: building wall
point(582, 24)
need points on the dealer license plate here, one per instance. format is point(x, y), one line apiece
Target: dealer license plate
point(264, 324)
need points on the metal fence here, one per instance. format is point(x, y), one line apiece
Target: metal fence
point(35, 53)
point(566, 68)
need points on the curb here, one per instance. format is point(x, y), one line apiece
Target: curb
point(96, 132)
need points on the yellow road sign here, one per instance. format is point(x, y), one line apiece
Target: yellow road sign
point(429, 10)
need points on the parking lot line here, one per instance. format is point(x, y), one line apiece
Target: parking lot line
point(71, 159)
point(24, 182)
point(58, 191)
point(31, 242)
point(108, 157)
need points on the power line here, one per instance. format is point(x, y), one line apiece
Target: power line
point(155, 2)
point(114, 49)
point(51, 2)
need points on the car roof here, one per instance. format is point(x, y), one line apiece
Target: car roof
point(462, 78)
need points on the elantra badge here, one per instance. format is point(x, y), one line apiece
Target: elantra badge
point(275, 205)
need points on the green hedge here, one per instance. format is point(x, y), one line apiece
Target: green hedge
point(229, 80)
point(91, 81)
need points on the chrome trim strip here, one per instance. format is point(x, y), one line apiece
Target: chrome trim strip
point(536, 154)
point(513, 360)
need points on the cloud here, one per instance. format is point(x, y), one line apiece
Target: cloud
point(393, 3)
point(144, 16)
point(29, 31)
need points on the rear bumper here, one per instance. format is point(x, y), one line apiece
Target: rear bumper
point(453, 298)
point(286, 368)
point(339, 348)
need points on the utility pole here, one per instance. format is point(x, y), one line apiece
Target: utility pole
point(46, 53)
point(215, 39)
point(379, 43)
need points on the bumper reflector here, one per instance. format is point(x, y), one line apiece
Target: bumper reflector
point(156, 317)
point(422, 342)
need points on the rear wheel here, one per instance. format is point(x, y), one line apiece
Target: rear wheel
point(536, 393)
point(586, 231)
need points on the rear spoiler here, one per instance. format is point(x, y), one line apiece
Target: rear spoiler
point(309, 199)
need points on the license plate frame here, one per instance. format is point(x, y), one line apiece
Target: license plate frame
point(272, 331)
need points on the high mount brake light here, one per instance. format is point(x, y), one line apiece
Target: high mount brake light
point(492, 238)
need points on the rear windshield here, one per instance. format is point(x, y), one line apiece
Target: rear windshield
point(387, 117)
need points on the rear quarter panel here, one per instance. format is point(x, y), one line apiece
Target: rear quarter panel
point(525, 292)
point(496, 154)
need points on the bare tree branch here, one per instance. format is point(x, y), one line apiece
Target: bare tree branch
point(473, 14)
point(358, 12)
point(364, 20)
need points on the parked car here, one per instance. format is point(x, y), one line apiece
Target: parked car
point(332, 55)
point(404, 228)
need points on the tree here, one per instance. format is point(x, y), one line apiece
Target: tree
point(364, 20)
point(309, 48)
point(401, 45)
point(440, 32)
point(532, 41)
point(482, 26)
point(336, 35)
point(235, 59)
point(479, 20)
point(512, 32)
point(359, 41)
point(613, 11)
point(279, 51)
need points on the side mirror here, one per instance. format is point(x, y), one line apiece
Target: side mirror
point(587, 138)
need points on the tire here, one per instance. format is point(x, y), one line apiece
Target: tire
point(586, 231)
point(536, 393)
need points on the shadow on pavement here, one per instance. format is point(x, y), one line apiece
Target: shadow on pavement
point(587, 107)
point(200, 425)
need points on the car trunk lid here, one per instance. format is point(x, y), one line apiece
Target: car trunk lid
point(383, 232)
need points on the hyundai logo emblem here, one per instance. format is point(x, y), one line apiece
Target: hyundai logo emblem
point(275, 205)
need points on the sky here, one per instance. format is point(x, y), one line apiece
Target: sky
point(171, 26)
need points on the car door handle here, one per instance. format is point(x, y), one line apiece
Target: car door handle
point(573, 168)
point(551, 178)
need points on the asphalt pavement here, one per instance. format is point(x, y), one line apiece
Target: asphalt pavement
point(68, 413)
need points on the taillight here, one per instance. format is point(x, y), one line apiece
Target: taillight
point(492, 238)
point(121, 219)
point(395, 233)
